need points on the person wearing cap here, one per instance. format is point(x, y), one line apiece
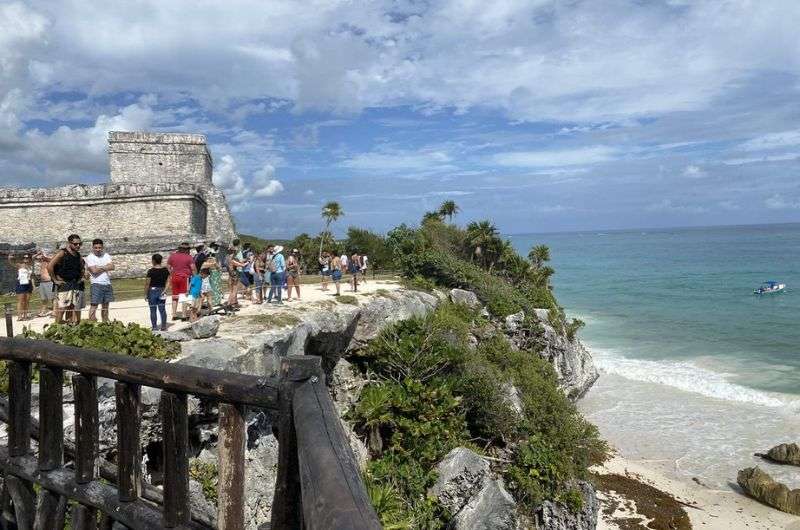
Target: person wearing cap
point(293, 274)
point(278, 269)
point(181, 268)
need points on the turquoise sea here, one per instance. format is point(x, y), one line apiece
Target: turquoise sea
point(697, 372)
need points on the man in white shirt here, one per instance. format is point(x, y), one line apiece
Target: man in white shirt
point(98, 263)
point(344, 261)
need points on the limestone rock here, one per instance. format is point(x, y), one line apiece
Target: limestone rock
point(513, 398)
point(381, 312)
point(572, 361)
point(513, 322)
point(466, 488)
point(785, 454)
point(461, 475)
point(492, 508)
point(260, 474)
point(205, 327)
point(468, 298)
point(345, 385)
point(173, 336)
point(556, 516)
point(761, 486)
point(198, 502)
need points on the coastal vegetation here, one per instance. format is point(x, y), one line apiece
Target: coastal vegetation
point(432, 389)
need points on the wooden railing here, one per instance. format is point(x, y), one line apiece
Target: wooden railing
point(318, 484)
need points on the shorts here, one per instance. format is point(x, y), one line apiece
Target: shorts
point(23, 288)
point(326, 273)
point(246, 278)
point(46, 292)
point(337, 275)
point(101, 293)
point(180, 285)
point(73, 297)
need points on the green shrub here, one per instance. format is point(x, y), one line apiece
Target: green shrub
point(347, 299)
point(116, 337)
point(419, 283)
point(207, 475)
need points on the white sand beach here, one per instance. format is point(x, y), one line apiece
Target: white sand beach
point(707, 508)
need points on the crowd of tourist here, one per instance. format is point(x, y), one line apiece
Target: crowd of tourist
point(191, 277)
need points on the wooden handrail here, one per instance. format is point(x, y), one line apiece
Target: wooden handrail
point(334, 496)
point(206, 383)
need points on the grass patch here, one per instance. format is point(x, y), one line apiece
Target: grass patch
point(347, 299)
point(207, 475)
point(275, 320)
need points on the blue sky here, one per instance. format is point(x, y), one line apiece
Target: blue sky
point(540, 115)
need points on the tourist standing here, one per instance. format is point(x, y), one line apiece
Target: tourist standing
point(67, 269)
point(101, 293)
point(155, 292)
point(23, 286)
point(354, 268)
point(276, 277)
point(235, 265)
point(269, 253)
point(364, 268)
point(344, 262)
point(325, 269)
point(293, 274)
point(200, 256)
point(258, 276)
point(181, 267)
point(45, 287)
point(336, 273)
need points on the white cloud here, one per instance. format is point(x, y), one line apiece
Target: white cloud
point(779, 202)
point(400, 160)
point(761, 159)
point(773, 141)
point(556, 158)
point(694, 172)
point(263, 183)
point(668, 206)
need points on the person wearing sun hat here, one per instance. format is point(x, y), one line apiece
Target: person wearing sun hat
point(278, 270)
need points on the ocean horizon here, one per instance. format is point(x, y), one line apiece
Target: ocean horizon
point(697, 372)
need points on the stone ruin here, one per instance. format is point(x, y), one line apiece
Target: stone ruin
point(160, 193)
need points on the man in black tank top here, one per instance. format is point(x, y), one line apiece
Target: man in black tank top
point(67, 270)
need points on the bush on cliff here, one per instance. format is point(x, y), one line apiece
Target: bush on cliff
point(430, 392)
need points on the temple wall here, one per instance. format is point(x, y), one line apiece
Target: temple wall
point(48, 215)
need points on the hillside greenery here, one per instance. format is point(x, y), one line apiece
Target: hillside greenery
point(431, 391)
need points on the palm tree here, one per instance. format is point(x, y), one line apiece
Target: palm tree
point(539, 255)
point(330, 212)
point(449, 209)
point(482, 238)
point(431, 216)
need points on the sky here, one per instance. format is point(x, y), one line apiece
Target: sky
point(540, 115)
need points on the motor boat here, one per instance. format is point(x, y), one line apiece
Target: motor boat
point(770, 287)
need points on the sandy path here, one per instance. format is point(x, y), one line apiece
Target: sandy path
point(137, 310)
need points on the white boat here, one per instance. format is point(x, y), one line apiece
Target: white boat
point(770, 287)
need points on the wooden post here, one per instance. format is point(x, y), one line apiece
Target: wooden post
point(51, 511)
point(83, 518)
point(86, 427)
point(19, 408)
point(232, 438)
point(9, 320)
point(23, 497)
point(129, 452)
point(287, 509)
point(51, 418)
point(175, 425)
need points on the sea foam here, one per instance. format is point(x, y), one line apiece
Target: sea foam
point(688, 377)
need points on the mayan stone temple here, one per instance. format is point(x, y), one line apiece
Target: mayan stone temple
point(160, 193)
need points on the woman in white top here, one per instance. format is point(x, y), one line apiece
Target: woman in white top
point(23, 287)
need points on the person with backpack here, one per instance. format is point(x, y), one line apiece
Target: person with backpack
point(277, 270)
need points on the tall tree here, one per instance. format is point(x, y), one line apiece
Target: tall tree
point(539, 255)
point(330, 212)
point(449, 209)
point(482, 238)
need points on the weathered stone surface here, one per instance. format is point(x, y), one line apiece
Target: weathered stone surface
point(260, 474)
point(345, 385)
point(572, 361)
point(173, 336)
point(466, 488)
point(556, 516)
point(461, 296)
point(462, 474)
point(513, 398)
point(492, 508)
point(217, 354)
point(784, 454)
point(761, 486)
point(205, 327)
point(514, 321)
point(380, 312)
point(198, 503)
